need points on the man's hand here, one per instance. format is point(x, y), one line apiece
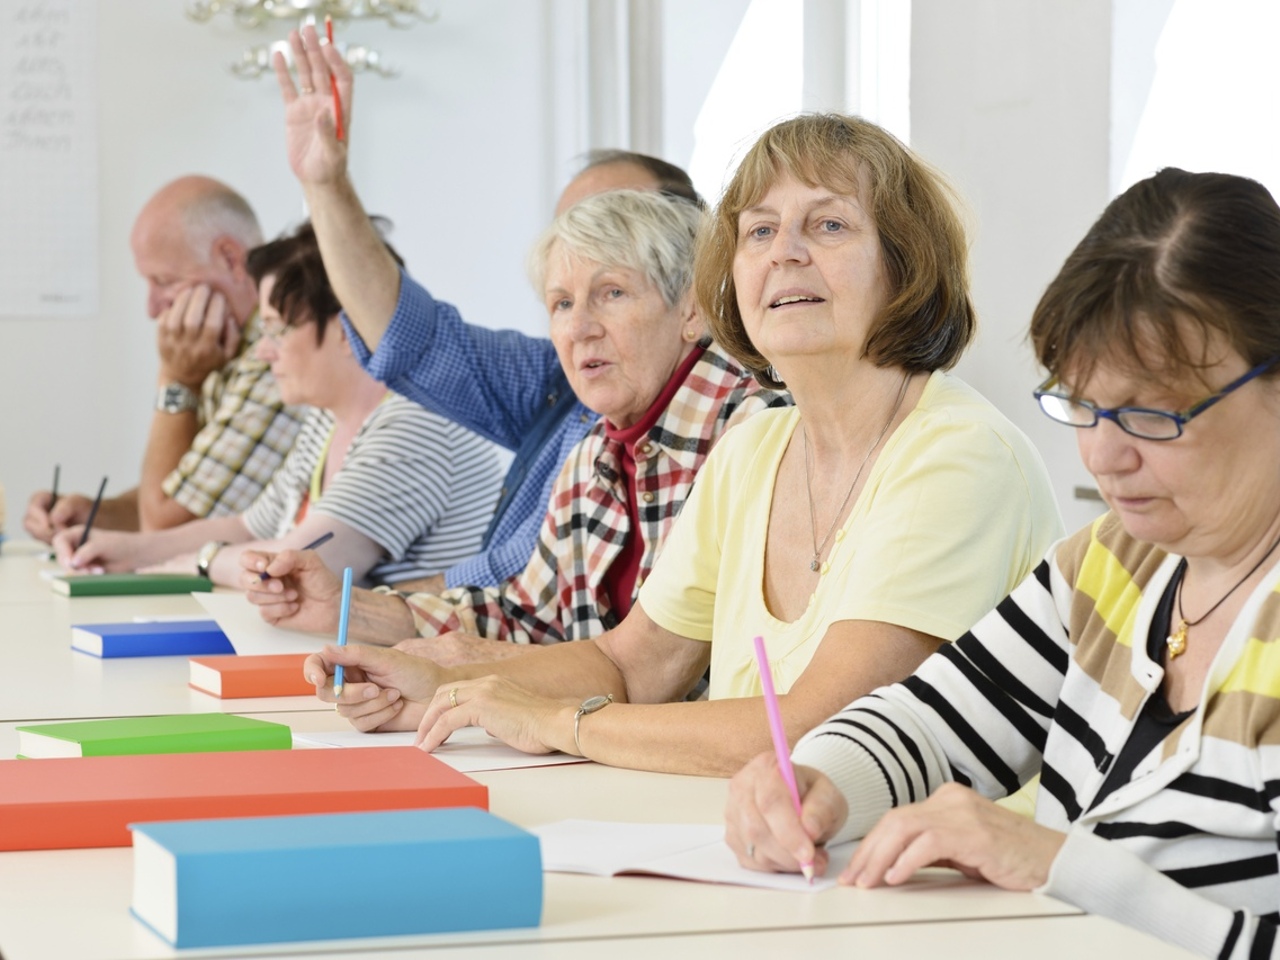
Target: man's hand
point(316, 156)
point(44, 523)
point(195, 336)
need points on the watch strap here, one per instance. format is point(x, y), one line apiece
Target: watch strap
point(177, 398)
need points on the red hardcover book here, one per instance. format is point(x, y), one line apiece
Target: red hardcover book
point(89, 801)
point(263, 675)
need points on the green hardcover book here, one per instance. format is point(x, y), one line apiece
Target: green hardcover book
point(128, 584)
point(182, 733)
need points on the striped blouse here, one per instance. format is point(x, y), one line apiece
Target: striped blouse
point(1052, 681)
point(421, 487)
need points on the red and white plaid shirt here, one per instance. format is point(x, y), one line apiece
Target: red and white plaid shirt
point(560, 595)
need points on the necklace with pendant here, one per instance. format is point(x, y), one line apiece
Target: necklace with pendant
point(816, 563)
point(1176, 642)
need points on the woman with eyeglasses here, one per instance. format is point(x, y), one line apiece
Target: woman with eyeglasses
point(1137, 670)
point(404, 493)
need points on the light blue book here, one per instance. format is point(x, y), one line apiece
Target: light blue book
point(205, 883)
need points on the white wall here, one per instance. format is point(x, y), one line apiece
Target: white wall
point(452, 151)
point(1010, 98)
point(467, 149)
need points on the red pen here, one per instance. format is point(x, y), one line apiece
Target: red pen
point(333, 83)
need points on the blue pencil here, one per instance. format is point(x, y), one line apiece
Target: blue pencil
point(344, 614)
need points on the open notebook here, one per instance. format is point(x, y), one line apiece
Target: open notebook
point(685, 851)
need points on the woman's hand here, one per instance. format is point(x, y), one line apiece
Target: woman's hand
point(110, 551)
point(453, 649)
point(299, 591)
point(316, 155)
point(506, 710)
point(955, 828)
point(761, 826)
point(382, 689)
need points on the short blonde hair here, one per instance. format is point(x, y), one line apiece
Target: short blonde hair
point(641, 230)
point(929, 319)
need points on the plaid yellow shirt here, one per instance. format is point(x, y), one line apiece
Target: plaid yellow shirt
point(560, 595)
point(245, 433)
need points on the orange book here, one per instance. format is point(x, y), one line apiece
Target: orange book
point(264, 675)
point(90, 801)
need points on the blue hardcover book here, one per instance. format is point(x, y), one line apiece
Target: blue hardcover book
point(205, 883)
point(168, 638)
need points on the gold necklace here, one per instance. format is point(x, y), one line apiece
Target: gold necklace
point(816, 563)
point(1177, 641)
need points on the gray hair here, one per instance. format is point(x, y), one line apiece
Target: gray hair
point(218, 213)
point(639, 230)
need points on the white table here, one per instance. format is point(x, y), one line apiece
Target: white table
point(64, 904)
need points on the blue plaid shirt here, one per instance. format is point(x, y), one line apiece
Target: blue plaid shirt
point(503, 385)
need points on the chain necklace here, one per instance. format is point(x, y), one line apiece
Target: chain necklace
point(1177, 641)
point(816, 563)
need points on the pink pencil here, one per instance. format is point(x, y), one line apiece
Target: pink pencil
point(779, 737)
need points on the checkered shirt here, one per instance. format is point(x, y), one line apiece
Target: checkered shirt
point(245, 433)
point(560, 595)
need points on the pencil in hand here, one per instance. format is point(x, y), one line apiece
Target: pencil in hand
point(344, 615)
point(93, 513)
point(319, 541)
point(333, 85)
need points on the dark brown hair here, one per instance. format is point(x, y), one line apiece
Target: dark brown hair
point(1174, 249)
point(929, 319)
point(301, 292)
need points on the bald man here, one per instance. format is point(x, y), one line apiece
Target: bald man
point(219, 429)
point(503, 385)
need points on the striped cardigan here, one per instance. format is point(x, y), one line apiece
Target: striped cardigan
point(1052, 681)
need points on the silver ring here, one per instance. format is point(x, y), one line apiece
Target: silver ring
point(751, 851)
point(453, 698)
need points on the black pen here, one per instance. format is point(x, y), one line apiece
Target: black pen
point(319, 541)
point(93, 513)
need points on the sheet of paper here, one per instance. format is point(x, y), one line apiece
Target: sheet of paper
point(249, 633)
point(681, 850)
point(467, 751)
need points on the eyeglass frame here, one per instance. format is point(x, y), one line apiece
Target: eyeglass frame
point(1179, 419)
point(275, 336)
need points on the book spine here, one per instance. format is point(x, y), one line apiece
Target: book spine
point(408, 898)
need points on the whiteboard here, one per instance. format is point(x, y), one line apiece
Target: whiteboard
point(48, 158)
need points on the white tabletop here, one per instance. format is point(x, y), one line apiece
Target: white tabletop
point(74, 903)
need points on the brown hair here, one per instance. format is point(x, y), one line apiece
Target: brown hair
point(1173, 249)
point(929, 319)
point(302, 291)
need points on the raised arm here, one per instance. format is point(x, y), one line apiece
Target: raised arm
point(361, 271)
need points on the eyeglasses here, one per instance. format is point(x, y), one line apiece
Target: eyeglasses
point(274, 328)
point(1136, 421)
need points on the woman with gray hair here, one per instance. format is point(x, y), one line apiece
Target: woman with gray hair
point(615, 272)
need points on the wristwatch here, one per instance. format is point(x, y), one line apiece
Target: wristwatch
point(177, 398)
point(589, 705)
point(205, 556)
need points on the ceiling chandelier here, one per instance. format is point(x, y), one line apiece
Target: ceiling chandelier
point(251, 14)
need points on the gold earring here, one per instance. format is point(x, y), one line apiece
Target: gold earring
point(691, 336)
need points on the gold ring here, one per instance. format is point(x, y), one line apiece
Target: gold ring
point(453, 698)
point(307, 90)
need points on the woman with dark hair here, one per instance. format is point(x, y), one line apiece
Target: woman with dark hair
point(1136, 669)
point(404, 492)
point(848, 531)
